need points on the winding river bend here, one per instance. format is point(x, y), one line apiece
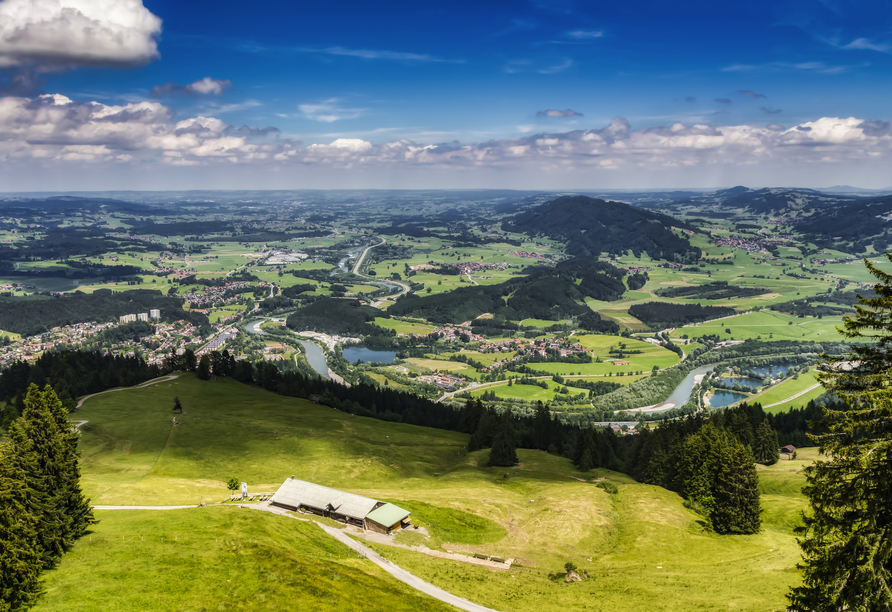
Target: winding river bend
point(315, 356)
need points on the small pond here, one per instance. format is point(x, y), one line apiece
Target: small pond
point(720, 399)
point(361, 353)
point(774, 370)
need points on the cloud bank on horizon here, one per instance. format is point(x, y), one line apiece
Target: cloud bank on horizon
point(420, 123)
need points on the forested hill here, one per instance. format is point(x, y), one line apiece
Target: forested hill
point(593, 226)
point(37, 314)
point(546, 293)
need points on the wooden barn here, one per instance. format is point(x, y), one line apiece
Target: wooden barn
point(347, 508)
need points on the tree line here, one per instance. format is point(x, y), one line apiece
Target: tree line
point(710, 461)
point(71, 374)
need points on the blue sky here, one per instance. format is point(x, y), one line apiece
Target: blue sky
point(409, 94)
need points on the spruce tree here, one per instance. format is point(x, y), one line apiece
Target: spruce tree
point(765, 446)
point(20, 559)
point(44, 452)
point(736, 492)
point(503, 452)
point(203, 371)
point(847, 534)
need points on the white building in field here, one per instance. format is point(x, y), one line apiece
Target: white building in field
point(154, 313)
point(341, 506)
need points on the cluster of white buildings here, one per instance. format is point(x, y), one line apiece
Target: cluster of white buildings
point(154, 313)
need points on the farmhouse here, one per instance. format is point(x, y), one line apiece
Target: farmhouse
point(345, 507)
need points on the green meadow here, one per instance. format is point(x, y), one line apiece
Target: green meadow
point(219, 558)
point(641, 547)
point(766, 325)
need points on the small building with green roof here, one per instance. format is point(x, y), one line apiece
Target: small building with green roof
point(387, 518)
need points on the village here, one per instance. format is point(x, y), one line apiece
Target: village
point(166, 338)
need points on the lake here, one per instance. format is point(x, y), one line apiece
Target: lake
point(774, 370)
point(720, 399)
point(744, 382)
point(361, 353)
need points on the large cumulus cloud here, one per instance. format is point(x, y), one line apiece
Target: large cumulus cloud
point(55, 34)
point(55, 129)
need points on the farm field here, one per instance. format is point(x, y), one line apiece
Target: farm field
point(404, 327)
point(438, 364)
point(533, 393)
point(599, 346)
point(132, 455)
point(766, 325)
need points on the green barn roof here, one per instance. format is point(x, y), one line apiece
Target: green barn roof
point(388, 515)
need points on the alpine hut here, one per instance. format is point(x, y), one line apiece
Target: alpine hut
point(341, 506)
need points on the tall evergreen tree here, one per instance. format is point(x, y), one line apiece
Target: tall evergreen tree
point(203, 371)
point(736, 491)
point(503, 452)
point(847, 536)
point(44, 452)
point(765, 446)
point(20, 559)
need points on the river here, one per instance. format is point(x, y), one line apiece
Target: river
point(315, 356)
point(682, 392)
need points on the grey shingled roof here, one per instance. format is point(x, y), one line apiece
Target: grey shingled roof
point(296, 493)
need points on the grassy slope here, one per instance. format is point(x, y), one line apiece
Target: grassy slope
point(538, 512)
point(219, 559)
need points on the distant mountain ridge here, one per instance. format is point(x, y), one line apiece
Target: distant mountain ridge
point(592, 226)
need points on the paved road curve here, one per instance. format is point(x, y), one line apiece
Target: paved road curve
point(403, 576)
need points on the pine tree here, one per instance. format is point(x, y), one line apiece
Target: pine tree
point(44, 452)
point(203, 371)
point(20, 560)
point(503, 451)
point(765, 446)
point(177, 405)
point(847, 534)
point(736, 492)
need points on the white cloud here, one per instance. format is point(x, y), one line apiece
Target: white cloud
point(207, 85)
point(54, 131)
point(54, 34)
point(53, 127)
point(585, 34)
point(329, 111)
point(204, 86)
point(372, 54)
point(864, 43)
point(558, 113)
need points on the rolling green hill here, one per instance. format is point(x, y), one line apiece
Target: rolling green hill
point(641, 547)
point(592, 226)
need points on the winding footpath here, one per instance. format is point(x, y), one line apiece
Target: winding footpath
point(403, 576)
point(394, 570)
point(139, 386)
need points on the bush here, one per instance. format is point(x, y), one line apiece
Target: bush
point(608, 486)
